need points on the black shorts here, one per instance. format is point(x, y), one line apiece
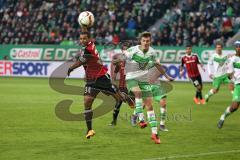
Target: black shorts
point(196, 81)
point(101, 84)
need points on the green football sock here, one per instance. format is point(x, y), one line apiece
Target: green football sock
point(226, 113)
point(139, 109)
point(209, 94)
point(163, 115)
point(152, 121)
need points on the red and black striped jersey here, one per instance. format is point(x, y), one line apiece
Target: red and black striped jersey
point(92, 63)
point(191, 62)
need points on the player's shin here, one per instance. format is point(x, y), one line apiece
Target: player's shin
point(88, 118)
point(139, 109)
point(229, 110)
point(197, 94)
point(225, 114)
point(116, 110)
point(209, 94)
point(163, 115)
point(200, 94)
point(152, 121)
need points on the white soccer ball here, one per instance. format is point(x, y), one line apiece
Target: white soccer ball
point(86, 19)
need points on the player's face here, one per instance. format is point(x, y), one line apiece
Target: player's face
point(84, 39)
point(238, 50)
point(219, 49)
point(145, 43)
point(188, 50)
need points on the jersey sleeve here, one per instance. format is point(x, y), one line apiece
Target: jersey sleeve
point(154, 58)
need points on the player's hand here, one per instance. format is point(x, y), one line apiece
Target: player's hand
point(170, 79)
point(181, 74)
point(204, 70)
point(69, 71)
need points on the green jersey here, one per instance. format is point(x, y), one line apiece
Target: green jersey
point(138, 63)
point(234, 67)
point(217, 65)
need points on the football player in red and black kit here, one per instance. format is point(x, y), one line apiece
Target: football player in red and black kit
point(118, 66)
point(97, 78)
point(191, 62)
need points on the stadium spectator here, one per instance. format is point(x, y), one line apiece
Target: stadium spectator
point(200, 22)
point(49, 22)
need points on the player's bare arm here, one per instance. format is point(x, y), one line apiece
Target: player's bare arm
point(163, 72)
point(74, 66)
point(181, 71)
point(181, 68)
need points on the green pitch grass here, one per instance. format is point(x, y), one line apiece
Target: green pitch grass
point(29, 128)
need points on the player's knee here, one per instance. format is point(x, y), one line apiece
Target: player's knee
point(148, 102)
point(234, 106)
point(199, 87)
point(215, 91)
point(233, 109)
point(137, 94)
point(231, 86)
point(149, 107)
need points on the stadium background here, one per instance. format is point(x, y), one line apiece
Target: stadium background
point(38, 36)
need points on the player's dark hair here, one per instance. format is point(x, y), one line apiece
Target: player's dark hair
point(86, 33)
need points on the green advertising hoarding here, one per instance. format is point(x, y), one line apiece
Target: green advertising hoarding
point(166, 54)
point(38, 52)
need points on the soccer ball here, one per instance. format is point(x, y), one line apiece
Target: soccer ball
point(86, 19)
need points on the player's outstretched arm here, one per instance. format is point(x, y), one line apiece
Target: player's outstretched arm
point(181, 68)
point(74, 66)
point(202, 66)
point(181, 71)
point(163, 72)
point(200, 63)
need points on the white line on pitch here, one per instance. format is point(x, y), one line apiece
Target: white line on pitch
point(194, 155)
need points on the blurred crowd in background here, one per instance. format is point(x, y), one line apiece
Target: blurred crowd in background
point(201, 22)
